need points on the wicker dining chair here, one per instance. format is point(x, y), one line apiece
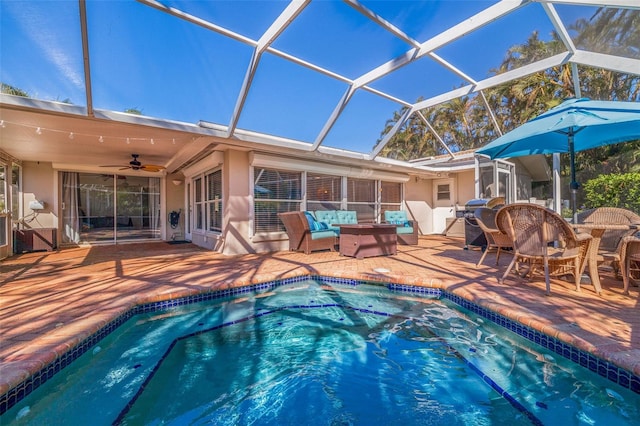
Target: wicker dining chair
point(542, 237)
point(611, 241)
point(496, 239)
point(630, 260)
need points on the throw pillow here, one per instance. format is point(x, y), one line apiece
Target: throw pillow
point(311, 220)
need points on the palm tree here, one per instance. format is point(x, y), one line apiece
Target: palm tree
point(11, 90)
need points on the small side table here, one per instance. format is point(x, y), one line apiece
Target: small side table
point(367, 240)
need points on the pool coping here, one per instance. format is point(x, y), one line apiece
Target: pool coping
point(22, 383)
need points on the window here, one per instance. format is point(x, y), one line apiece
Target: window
point(444, 192)
point(390, 196)
point(207, 196)
point(213, 201)
point(324, 192)
point(275, 191)
point(198, 202)
point(361, 197)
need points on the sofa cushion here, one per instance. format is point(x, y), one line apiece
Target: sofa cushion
point(396, 217)
point(322, 234)
point(404, 229)
point(326, 216)
point(347, 217)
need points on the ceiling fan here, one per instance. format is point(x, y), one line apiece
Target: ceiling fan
point(137, 165)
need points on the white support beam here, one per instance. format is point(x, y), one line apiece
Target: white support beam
point(342, 103)
point(559, 26)
point(491, 113)
point(281, 23)
point(609, 62)
point(451, 68)
point(277, 27)
point(244, 91)
point(309, 65)
point(625, 4)
point(392, 132)
point(477, 21)
point(198, 21)
point(576, 80)
point(495, 80)
point(435, 133)
point(386, 96)
point(84, 34)
point(383, 23)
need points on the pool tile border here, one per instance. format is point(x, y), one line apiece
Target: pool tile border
point(597, 365)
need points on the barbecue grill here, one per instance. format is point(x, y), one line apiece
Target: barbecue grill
point(473, 235)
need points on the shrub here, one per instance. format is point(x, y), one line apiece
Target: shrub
point(614, 190)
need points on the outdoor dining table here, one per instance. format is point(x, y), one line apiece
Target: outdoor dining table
point(597, 230)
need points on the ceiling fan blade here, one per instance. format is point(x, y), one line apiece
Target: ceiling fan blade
point(152, 168)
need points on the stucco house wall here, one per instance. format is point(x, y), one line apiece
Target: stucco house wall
point(38, 183)
point(41, 182)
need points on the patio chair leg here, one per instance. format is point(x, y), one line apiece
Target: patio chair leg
point(498, 256)
point(484, 254)
point(547, 280)
point(501, 280)
point(577, 275)
point(625, 274)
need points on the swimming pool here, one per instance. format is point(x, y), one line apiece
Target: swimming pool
point(320, 352)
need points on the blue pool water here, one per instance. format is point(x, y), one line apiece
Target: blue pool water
point(314, 354)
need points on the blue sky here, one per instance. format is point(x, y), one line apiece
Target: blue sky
point(168, 68)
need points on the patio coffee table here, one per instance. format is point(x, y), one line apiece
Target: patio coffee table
point(368, 239)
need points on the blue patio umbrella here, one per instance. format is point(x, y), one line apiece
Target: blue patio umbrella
point(574, 125)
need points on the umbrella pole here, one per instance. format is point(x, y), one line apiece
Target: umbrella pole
point(574, 185)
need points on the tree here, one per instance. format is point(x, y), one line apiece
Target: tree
point(464, 123)
point(10, 90)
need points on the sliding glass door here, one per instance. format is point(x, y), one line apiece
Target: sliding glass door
point(109, 208)
point(5, 218)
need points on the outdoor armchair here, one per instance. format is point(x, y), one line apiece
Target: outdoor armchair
point(630, 260)
point(301, 235)
point(496, 239)
point(542, 237)
point(406, 229)
point(610, 235)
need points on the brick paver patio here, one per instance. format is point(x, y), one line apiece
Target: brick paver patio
point(49, 302)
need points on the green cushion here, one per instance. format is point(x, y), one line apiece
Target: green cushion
point(396, 217)
point(347, 217)
point(316, 235)
point(327, 216)
point(404, 230)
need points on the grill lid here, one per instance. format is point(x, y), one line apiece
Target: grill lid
point(484, 202)
point(475, 203)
